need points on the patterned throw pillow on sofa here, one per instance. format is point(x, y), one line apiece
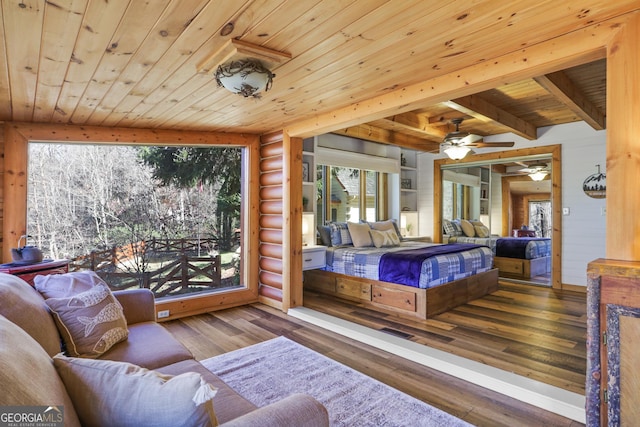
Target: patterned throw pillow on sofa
point(90, 322)
point(66, 285)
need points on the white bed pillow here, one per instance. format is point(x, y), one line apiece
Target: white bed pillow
point(360, 234)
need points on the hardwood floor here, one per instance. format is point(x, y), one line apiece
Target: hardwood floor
point(218, 332)
point(533, 331)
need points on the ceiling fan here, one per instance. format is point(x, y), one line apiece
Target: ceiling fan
point(456, 144)
point(537, 171)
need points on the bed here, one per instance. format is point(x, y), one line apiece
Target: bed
point(486, 241)
point(409, 279)
point(523, 257)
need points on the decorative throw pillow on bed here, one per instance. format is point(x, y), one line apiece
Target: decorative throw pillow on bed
point(481, 230)
point(325, 235)
point(66, 285)
point(340, 234)
point(383, 239)
point(360, 234)
point(455, 228)
point(109, 393)
point(467, 228)
point(450, 228)
point(389, 224)
point(90, 322)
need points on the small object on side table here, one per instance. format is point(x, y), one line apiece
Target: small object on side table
point(28, 271)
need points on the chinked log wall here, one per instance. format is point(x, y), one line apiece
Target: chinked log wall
point(280, 250)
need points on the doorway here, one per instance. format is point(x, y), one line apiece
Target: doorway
point(498, 195)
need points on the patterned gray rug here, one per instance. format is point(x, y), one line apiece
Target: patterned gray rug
point(267, 372)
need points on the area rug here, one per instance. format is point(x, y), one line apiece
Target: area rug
point(269, 371)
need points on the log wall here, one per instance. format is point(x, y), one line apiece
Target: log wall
point(280, 240)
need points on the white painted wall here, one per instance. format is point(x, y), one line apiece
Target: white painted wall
point(583, 230)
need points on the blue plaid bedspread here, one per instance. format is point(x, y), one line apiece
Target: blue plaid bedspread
point(437, 270)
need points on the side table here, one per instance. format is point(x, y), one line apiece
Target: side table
point(313, 256)
point(28, 271)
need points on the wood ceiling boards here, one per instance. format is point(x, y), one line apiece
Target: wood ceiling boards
point(128, 63)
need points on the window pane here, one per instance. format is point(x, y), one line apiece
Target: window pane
point(106, 209)
point(344, 186)
point(540, 217)
point(345, 194)
point(371, 199)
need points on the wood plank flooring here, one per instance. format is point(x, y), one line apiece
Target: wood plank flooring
point(218, 332)
point(533, 331)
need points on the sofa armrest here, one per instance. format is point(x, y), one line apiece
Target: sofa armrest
point(138, 305)
point(298, 410)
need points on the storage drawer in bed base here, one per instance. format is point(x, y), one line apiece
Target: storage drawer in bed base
point(404, 301)
point(517, 268)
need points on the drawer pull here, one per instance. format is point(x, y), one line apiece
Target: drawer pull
point(308, 259)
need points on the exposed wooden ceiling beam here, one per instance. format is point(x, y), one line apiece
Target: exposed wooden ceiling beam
point(559, 85)
point(385, 136)
point(412, 123)
point(445, 118)
point(483, 110)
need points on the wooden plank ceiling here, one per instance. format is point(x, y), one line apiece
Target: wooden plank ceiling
point(136, 63)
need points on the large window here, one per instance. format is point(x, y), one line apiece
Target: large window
point(163, 218)
point(348, 194)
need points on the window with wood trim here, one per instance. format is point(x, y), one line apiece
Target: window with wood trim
point(349, 194)
point(163, 218)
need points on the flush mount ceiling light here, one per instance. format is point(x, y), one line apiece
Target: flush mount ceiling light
point(246, 77)
point(243, 68)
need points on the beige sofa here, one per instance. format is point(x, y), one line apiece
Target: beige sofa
point(29, 339)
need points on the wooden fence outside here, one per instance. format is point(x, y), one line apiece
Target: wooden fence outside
point(183, 274)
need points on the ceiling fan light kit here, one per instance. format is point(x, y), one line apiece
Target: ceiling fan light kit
point(457, 152)
point(539, 175)
point(537, 171)
point(456, 144)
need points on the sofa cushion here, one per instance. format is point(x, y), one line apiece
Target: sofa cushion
point(149, 345)
point(66, 285)
point(24, 306)
point(109, 393)
point(27, 375)
point(90, 322)
point(227, 403)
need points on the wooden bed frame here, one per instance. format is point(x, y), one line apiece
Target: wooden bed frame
point(516, 268)
point(404, 301)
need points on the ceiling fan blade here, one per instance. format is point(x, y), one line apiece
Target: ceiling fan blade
point(470, 139)
point(482, 144)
